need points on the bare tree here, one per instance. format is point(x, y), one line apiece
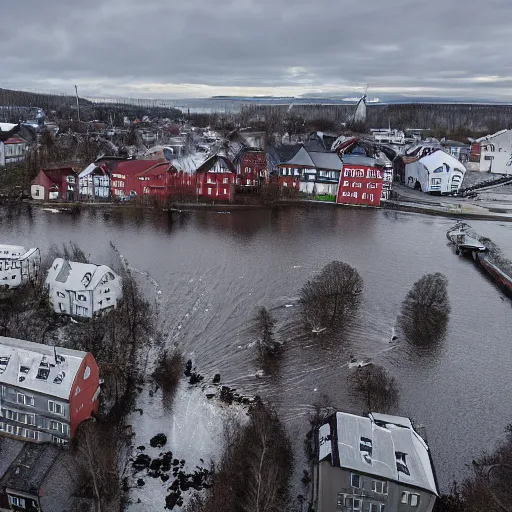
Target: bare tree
point(426, 309)
point(254, 473)
point(268, 345)
point(376, 388)
point(332, 297)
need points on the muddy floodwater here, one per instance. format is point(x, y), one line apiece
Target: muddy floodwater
point(214, 269)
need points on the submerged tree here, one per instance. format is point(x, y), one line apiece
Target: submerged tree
point(376, 388)
point(425, 310)
point(332, 297)
point(268, 345)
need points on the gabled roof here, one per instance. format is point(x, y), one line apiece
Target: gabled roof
point(188, 163)
point(210, 162)
point(55, 175)
point(93, 168)
point(28, 470)
point(156, 170)
point(376, 444)
point(326, 160)
point(14, 140)
point(301, 159)
point(39, 368)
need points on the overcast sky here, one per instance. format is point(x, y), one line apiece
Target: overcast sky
point(200, 48)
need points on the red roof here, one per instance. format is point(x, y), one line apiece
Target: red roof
point(155, 170)
point(134, 167)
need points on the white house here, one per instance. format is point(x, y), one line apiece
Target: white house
point(94, 182)
point(82, 289)
point(437, 172)
point(18, 265)
point(493, 153)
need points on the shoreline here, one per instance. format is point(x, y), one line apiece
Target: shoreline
point(406, 206)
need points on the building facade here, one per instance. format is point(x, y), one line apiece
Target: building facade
point(493, 153)
point(361, 182)
point(251, 168)
point(18, 266)
point(216, 178)
point(45, 392)
point(373, 464)
point(82, 289)
point(53, 184)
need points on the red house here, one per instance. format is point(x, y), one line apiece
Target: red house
point(360, 182)
point(216, 178)
point(251, 167)
point(50, 184)
point(125, 180)
point(164, 180)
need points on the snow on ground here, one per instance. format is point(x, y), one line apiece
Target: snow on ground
point(194, 426)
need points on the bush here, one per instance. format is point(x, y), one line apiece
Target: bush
point(332, 297)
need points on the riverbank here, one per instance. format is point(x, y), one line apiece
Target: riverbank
point(461, 209)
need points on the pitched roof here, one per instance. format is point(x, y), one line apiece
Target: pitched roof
point(77, 276)
point(134, 167)
point(326, 160)
point(210, 162)
point(55, 175)
point(28, 470)
point(438, 158)
point(40, 368)
point(286, 152)
point(301, 159)
point(14, 140)
point(376, 444)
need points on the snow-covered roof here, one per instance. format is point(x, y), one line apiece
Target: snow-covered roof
point(356, 159)
point(39, 368)
point(384, 446)
point(10, 252)
point(77, 276)
point(487, 137)
point(188, 163)
point(438, 158)
point(88, 170)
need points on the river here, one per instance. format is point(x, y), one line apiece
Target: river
point(215, 269)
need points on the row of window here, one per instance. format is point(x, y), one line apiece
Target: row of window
point(209, 191)
point(355, 195)
point(352, 504)
point(212, 180)
point(17, 502)
point(14, 149)
point(378, 486)
point(360, 173)
point(30, 419)
point(19, 431)
point(28, 400)
point(358, 184)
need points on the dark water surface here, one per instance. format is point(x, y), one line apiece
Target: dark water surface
point(215, 269)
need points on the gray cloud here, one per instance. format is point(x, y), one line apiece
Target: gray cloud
point(158, 48)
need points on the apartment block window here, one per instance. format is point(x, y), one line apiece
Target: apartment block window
point(356, 480)
point(380, 487)
point(55, 407)
point(24, 399)
point(353, 504)
point(340, 501)
point(17, 502)
point(404, 497)
point(58, 440)
point(32, 434)
point(401, 463)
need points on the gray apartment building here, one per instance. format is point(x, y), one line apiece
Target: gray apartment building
point(377, 463)
point(45, 391)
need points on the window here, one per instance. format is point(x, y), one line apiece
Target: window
point(382, 508)
point(37, 192)
point(346, 184)
point(58, 440)
point(24, 399)
point(225, 180)
point(82, 297)
point(17, 502)
point(209, 191)
point(355, 480)
point(55, 407)
point(414, 499)
point(60, 294)
point(380, 487)
point(401, 463)
point(32, 434)
point(439, 169)
point(225, 191)
point(404, 497)
point(62, 306)
point(340, 501)
point(357, 185)
point(87, 372)
point(436, 181)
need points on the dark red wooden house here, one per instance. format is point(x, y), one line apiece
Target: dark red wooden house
point(251, 167)
point(360, 182)
point(125, 177)
point(216, 178)
point(52, 184)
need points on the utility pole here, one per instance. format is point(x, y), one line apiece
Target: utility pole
point(77, 103)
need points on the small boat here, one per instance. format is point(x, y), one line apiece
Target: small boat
point(464, 242)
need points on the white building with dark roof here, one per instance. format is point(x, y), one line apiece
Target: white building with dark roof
point(82, 289)
point(45, 391)
point(18, 265)
point(377, 463)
